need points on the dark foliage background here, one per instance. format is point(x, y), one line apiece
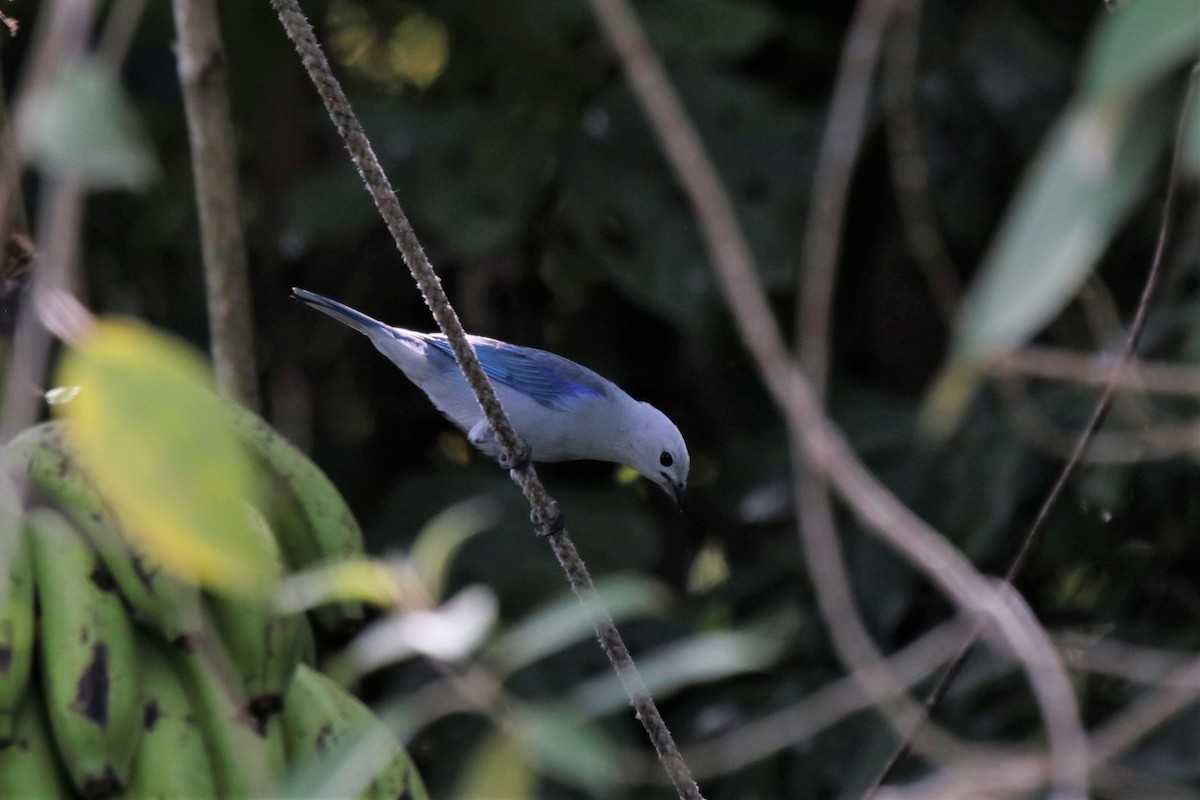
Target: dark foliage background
point(540, 195)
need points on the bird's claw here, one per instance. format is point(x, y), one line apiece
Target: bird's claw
point(553, 526)
point(520, 459)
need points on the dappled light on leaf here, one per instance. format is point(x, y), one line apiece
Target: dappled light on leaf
point(710, 568)
point(412, 49)
point(376, 582)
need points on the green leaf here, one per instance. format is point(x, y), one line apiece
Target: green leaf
point(360, 579)
point(1137, 45)
point(1083, 182)
point(695, 660)
point(82, 126)
point(560, 624)
point(156, 441)
point(497, 768)
point(441, 538)
point(1191, 131)
point(566, 745)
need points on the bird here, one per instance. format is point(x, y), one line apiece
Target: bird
point(562, 410)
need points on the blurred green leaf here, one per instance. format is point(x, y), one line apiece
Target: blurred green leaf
point(411, 48)
point(613, 527)
point(356, 754)
point(694, 660)
point(562, 622)
point(1138, 44)
point(155, 438)
point(708, 569)
point(566, 745)
point(450, 632)
point(439, 541)
point(364, 580)
point(82, 126)
point(708, 28)
point(1191, 131)
point(497, 768)
point(1074, 195)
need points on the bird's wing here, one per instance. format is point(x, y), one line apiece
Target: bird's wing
point(551, 380)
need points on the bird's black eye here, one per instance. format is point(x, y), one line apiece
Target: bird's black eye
point(666, 459)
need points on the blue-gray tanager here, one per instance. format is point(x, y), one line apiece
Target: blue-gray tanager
point(563, 411)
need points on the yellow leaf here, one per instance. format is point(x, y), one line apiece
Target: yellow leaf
point(363, 580)
point(155, 439)
point(498, 768)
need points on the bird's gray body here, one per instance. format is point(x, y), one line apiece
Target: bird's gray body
point(551, 434)
point(562, 410)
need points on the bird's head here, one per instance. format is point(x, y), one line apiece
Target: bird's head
point(660, 454)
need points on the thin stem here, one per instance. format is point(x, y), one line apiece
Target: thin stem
point(826, 450)
point(203, 74)
point(1037, 528)
point(832, 585)
point(544, 508)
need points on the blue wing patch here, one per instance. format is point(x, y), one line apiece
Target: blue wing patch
point(551, 380)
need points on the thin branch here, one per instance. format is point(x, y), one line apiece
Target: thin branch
point(1089, 369)
point(1035, 428)
point(840, 146)
point(1177, 691)
point(828, 454)
point(203, 74)
point(1137, 664)
point(119, 29)
point(910, 168)
point(59, 39)
point(822, 709)
point(544, 508)
point(831, 582)
point(1103, 403)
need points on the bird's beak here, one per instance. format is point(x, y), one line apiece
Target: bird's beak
point(678, 493)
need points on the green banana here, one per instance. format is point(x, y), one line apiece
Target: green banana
point(173, 760)
point(246, 760)
point(17, 623)
point(88, 659)
point(169, 604)
point(308, 514)
point(263, 645)
point(319, 713)
point(29, 765)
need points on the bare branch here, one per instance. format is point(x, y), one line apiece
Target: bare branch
point(827, 452)
point(544, 508)
point(1089, 369)
point(203, 74)
point(910, 168)
point(1037, 528)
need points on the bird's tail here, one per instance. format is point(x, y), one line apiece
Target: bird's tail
point(344, 314)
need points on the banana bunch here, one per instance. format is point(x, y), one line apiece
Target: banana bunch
point(118, 679)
